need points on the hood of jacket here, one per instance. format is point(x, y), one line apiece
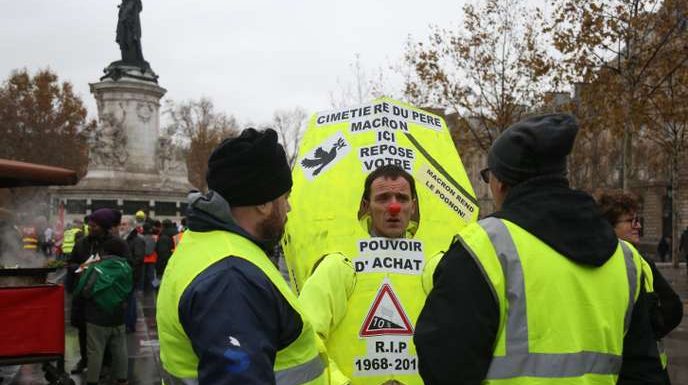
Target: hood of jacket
point(565, 219)
point(209, 212)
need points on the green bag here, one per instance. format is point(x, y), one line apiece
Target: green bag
point(107, 282)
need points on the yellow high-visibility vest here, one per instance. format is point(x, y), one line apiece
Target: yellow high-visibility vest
point(30, 242)
point(299, 363)
point(562, 322)
point(365, 306)
point(69, 239)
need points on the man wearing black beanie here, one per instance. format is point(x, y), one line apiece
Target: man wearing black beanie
point(542, 289)
point(225, 315)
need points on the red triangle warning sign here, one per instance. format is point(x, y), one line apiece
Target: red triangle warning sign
point(386, 316)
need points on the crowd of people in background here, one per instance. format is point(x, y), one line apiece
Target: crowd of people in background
point(145, 245)
point(150, 241)
point(160, 237)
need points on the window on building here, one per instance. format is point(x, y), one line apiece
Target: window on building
point(103, 204)
point(166, 208)
point(131, 207)
point(76, 206)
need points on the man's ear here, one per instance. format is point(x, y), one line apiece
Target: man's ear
point(365, 207)
point(503, 187)
point(265, 208)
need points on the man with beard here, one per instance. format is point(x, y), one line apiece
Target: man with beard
point(225, 315)
point(137, 246)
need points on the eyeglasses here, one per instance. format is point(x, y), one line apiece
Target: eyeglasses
point(634, 221)
point(485, 175)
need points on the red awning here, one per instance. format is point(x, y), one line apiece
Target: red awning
point(18, 174)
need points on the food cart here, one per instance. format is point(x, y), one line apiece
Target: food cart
point(32, 309)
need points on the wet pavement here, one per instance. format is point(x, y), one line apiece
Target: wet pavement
point(676, 343)
point(144, 361)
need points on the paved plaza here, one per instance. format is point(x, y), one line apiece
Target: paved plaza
point(144, 361)
point(677, 341)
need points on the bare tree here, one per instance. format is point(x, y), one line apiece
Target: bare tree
point(489, 72)
point(360, 88)
point(290, 126)
point(667, 127)
point(616, 45)
point(201, 128)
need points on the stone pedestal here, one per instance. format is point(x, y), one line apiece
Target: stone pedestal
point(130, 163)
point(135, 106)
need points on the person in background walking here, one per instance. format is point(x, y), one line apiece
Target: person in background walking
point(150, 257)
point(140, 219)
point(137, 247)
point(664, 248)
point(683, 247)
point(165, 246)
point(47, 241)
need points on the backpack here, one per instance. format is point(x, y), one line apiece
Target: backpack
point(107, 282)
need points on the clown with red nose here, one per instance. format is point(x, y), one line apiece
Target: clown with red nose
point(390, 202)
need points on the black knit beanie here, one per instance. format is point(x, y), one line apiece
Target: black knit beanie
point(250, 169)
point(533, 147)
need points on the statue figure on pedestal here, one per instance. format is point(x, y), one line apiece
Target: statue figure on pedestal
point(128, 37)
point(129, 32)
point(107, 142)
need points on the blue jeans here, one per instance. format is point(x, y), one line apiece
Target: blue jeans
point(131, 314)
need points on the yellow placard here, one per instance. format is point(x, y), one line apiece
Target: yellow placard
point(341, 147)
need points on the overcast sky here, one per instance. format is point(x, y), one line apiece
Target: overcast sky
point(250, 57)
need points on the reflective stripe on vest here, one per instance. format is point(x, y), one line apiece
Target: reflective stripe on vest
point(69, 240)
point(632, 279)
point(191, 258)
point(300, 374)
point(518, 361)
point(296, 375)
point(30, 243)
point(662, 354)
point(169, 379)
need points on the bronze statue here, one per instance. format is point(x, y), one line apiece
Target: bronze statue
point(129, 40)
point(129, 32)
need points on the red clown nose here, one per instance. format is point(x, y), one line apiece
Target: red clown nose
point(394, 208)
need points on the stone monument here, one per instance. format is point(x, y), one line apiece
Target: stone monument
point(132, 165)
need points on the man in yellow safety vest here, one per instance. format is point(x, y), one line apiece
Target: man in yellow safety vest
point(364, 302)
point(541, 291)
point(70, 237)
point(225, 314)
